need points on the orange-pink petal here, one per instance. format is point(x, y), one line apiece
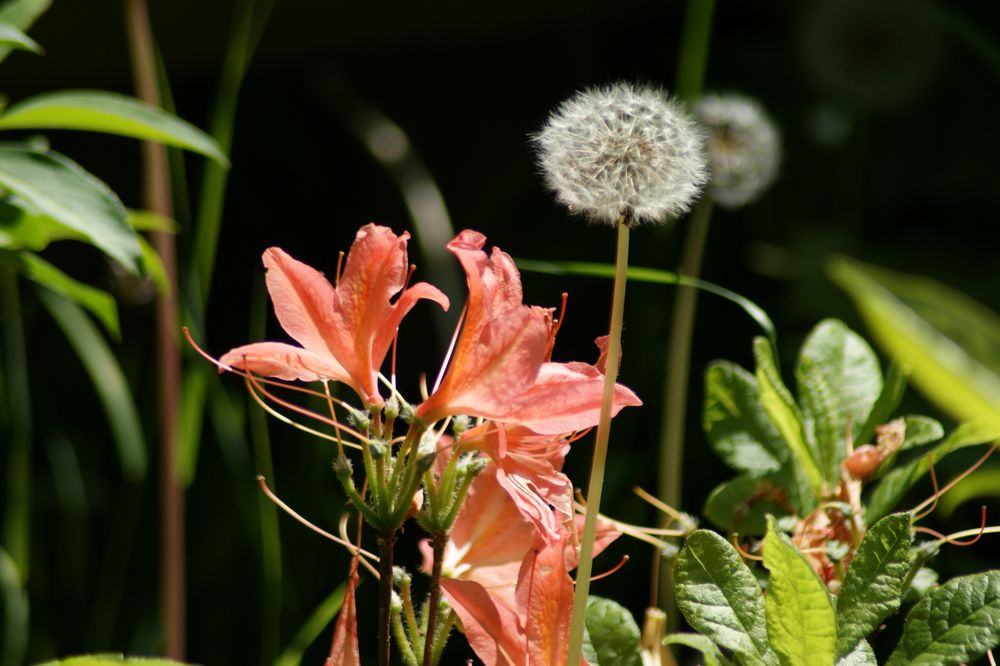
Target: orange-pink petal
point(277, 359)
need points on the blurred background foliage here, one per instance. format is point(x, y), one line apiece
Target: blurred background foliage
point(357, 112)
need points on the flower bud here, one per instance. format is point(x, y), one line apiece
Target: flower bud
point(863, 462)
point(342, 467)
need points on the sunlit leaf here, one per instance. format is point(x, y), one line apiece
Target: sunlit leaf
point(720, 597)
point(861, 655)
point(800, 618)
point(146, 220)
point(111, 660)
point(735, 421)
point(11, 37)
point(951, 342)
point(893, 486)
point(710, 653)
point(873, 586)
point(55, 186)
point(920, 430)
point(108, 379)
point(100, 111)
point(955, 623)
point(839, 380)
point(611, 636)
point(20, 14)
point(888, 400)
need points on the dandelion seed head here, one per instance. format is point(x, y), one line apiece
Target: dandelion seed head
point(622, 148)
point(743, 148)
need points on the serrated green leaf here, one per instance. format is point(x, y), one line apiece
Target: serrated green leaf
point(861, 655)
point(720, 597)
point(800, 618)
point(951, 342)
point(920, 430)
point(109, 382)
point(55, 186)
point(955, 623)
point(785, 415)
point(711, 653)
point(894, 485)
point(101, 111)
point(839, 381)
point(888, 400)
point(11, 37)
point(735, 421)
point(99, 303)
point(741, 504)
point(20, 14)
point(874, 583)
point(610, 635)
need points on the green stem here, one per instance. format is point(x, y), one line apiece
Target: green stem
point(693, 59)
point(157, 198)
point(600, 448)
point(17, 503)
point(402, 641)
point(438, 542)
point(386, 545)
point(442, 637)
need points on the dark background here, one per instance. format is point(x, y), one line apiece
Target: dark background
point(888, 115)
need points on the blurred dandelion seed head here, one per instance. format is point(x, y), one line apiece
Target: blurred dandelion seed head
point(743, 148)
point(622, 149)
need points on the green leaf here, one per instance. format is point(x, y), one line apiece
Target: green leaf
point(56, 186)
point(20, 14)
point(22, 229)
point(720, 597)
point(110, 660)
point(839, 381)
point(800, 619)
point(920, 430)
point(109, 382)
point(861, 655)
point(654, 276)
point(785, 414)
point(888, 400)
point(100, 111)
point(11, 37)
point(146, 220)
point(98, 303)
point(153, 264)
point(310, 630)
point(742, 504)
point(955, 623)
point(735, 421)
point(874, 583)
point(894, 485)
point(194, 389)
point(951, 342)
point(923, 581)
point(982, 483)
point(610, 636)
point(14, 604)
point(712, 655)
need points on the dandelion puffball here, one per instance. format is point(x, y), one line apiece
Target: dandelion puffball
point(743, 148)
point(622, 150)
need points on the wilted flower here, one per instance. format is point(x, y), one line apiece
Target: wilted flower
point(622, 149)
point(743, 148)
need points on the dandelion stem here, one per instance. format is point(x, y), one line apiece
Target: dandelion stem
point(600, 447)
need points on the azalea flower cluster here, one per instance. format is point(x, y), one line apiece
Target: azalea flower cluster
point(480, 465)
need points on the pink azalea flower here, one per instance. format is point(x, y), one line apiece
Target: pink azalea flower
point(500, 367)
point(345, 331)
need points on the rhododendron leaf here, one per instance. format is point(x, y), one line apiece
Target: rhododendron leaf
point(55, 186)
point(101, 111)
point(894, 485)
point(955, 623)
point(861, 655)
point(708, 649)
point(735, 421)
point(888, 400)
point(741, 504)
point(110, 660)
point(950, 341)
point(20, 14)
point(920, 430)
point(720, 597)
point(874, 583)
point(839, 380)
point(800, 618)
point(611, 636)
point(11, 37)
point(785, 414)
